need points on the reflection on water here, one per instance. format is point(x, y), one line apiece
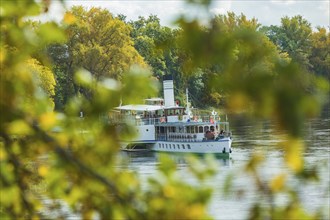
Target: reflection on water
point(150, 158)
point(250, 137)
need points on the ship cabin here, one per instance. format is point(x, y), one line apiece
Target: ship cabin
point(148, 114)
point(154, 101)
point(192, 131)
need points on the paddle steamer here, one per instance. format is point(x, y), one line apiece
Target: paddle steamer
point(163, 125)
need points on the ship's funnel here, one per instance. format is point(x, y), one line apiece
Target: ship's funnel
point(168, 91)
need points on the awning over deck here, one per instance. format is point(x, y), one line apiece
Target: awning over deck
point(140, 107)
point(146, 107)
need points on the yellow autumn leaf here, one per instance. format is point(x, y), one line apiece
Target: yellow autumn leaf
point(62, 139)
point(19, 127)
point(156, 204)
point(3, 154)
point(43, 170)
point(277, 183)
point(169, 191)
point(69, 18)
point(293, 154)
point(196, 211)
point(47, 120)
point(2, 55)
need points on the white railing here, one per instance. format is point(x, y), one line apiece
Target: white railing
point(138, 120)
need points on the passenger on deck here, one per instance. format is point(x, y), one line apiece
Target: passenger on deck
point(209, 135)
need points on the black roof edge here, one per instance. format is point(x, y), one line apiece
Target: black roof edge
point(168, 77)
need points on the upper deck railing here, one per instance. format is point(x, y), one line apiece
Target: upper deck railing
point(138, 120)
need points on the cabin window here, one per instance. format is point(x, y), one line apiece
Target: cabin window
point(183, 146)
point(188, 129)
point(200, 129)
point(188, 146)
point(166, 146)
point(206, 128)
point(196, 129)
point(170, 146)
point(178, 146)
point(212, 128)
point(162, 130)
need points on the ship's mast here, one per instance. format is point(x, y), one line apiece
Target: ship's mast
point(188, 112)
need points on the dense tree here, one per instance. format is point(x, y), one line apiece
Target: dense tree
point(146, 33)
point(63, 70)
point(45, 78)
point(157, 45)
point(293, 36)
point(320, 54)
point(224, 44)
point(97, 42)
point(101, 43)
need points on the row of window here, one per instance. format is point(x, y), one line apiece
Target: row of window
point(174, 146)
point(187, 129)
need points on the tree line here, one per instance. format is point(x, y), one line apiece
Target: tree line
point(52, 161)
point(107, 45)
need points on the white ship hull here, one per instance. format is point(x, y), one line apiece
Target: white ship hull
point(221, 147)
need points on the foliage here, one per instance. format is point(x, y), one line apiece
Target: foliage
point(63, 72)
point(45, 78)
point(47, 156)
point(157, 45)
point(320, 54)
point(97, 42)
point(100, 43)
point(294, 38)
point(75, 159)
point(265, 83)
